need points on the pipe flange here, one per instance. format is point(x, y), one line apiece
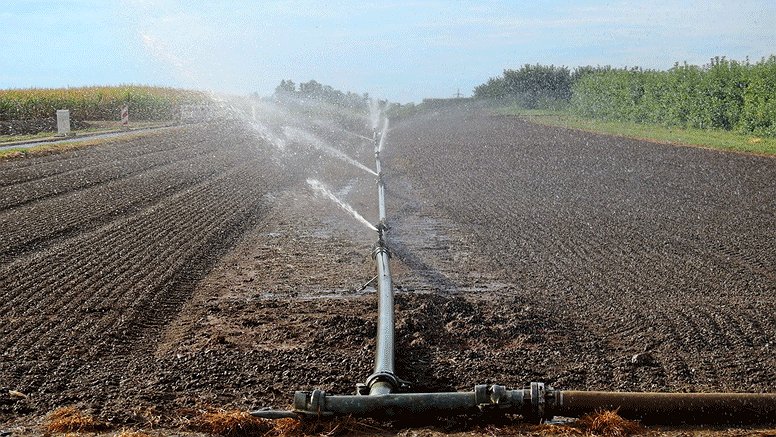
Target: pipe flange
point(308, 405)
point(300, 400)
point(537, 400)
point(481, 397)
point(318, 401)
point(498, 394)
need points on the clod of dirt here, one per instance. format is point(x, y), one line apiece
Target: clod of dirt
point(643, 359)
point(16, 395)
point(69, 419)
point(234, 423)
point(12, 401)
point(10, 396)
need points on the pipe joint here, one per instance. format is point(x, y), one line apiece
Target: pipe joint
point(380, 248)
point(493, 397)
point(310, 404)
point(387, 379)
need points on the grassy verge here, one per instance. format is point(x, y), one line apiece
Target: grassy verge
point(47, 149)
point(710, 138)
point(96, 127)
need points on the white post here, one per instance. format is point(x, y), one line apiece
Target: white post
point(125, 116)
point(63, 122)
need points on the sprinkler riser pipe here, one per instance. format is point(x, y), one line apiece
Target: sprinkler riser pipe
point(384, 353)
point(383, 381)
point(381, 197)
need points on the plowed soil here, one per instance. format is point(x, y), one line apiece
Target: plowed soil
point(143, 279)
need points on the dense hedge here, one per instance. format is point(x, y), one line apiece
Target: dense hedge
point(530, 86)
point(723, 94)
point(96, 103)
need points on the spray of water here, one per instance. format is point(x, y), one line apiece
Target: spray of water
point(358, 135)
point(382, 137)
point(334, 128)
point(308, 138)
point(374, 113)
point(266, 133)
point(322, 190)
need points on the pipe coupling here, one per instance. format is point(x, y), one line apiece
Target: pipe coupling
point(397, 384)
point(493, 397)
point(380, 248)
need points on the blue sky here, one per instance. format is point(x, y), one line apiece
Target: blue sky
point(400, 50)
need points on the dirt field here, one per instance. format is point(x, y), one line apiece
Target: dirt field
point(145, 279)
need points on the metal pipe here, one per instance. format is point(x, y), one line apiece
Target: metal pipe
point(393, 405)
point(671, 407)
point(383, 380)
point(537, 403)
point(380, 195)
point(384, 352)
point(319, 404)
point(379, 141)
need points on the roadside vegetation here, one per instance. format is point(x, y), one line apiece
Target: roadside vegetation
point(723, 104)
point(97, 102)
point(94, 127)
point(30, 111)
point(12, 152)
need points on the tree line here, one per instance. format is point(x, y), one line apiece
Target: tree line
point(723, 94)
point(313, 90)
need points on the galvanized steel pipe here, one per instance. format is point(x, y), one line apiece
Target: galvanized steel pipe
point(383, 380)
point(379, 140)
point(384, 353)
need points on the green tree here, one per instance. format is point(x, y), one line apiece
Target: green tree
point(286, 87)
point(538, 86)
point(759, 111)
point(494, 88)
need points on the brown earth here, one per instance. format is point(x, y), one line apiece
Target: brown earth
point(144, 279)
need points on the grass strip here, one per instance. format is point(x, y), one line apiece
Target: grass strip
point(48, 149)
point(707, 138)
point(96, 127)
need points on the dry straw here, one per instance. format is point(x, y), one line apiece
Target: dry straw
point(69, 419)
point(230, 423)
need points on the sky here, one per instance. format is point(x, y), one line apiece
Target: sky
point(398, 50)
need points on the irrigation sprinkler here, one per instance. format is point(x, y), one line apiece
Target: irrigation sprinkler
point(384, 395)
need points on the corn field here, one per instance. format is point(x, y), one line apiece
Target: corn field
point(96, 103)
